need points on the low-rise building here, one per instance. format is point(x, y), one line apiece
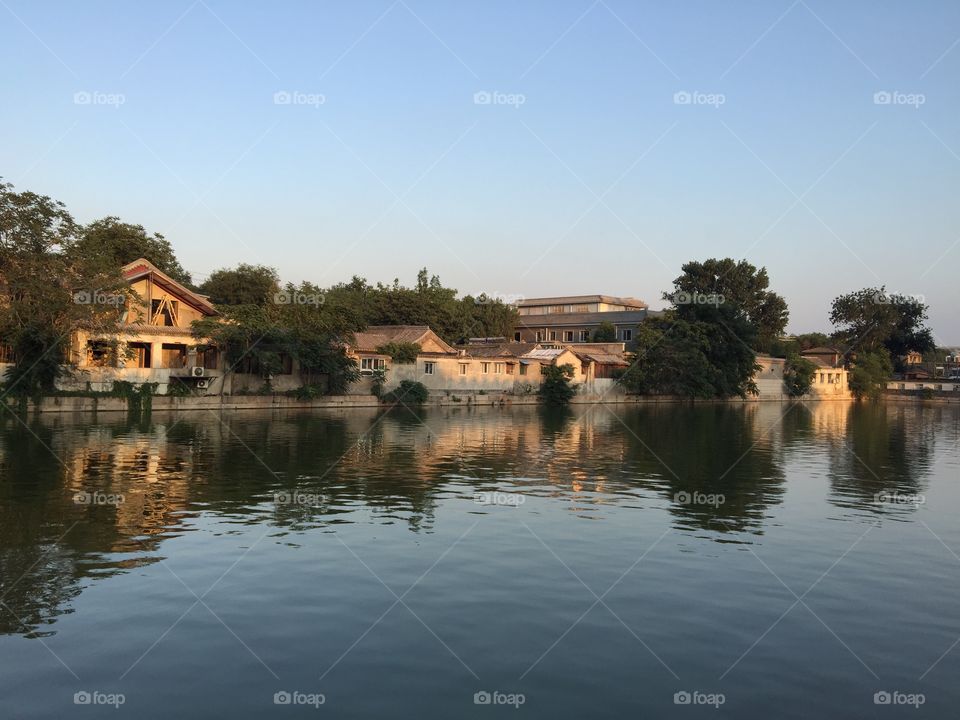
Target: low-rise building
point(831, 381)
point(575, 318)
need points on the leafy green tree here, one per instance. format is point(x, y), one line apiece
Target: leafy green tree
point(556, 388)
point(47, 290)
point(242, 285)
point(409, 392)
point(805, 341)
point(605, 332)
point(870, 373)
point(873, 319)
point(728, 281)
point(116, 243)
point(798, 375)
point(706, 354)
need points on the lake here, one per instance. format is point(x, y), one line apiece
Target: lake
point(730, 560)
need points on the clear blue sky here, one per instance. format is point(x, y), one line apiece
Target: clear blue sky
point(598, 182)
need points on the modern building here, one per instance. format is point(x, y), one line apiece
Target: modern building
point(575, 318)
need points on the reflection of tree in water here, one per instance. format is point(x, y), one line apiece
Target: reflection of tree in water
point(733, 450)
point(884, 450)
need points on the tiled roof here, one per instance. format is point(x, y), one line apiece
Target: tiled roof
point(142, 267)
point(377, 335)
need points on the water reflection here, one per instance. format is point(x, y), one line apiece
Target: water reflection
point(302, 471)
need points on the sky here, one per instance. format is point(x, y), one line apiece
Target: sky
point(512, 148)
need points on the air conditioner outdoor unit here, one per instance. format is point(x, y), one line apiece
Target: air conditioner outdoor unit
point(203, 384)
point(197, 371)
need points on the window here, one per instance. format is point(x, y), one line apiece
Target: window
point(584, 336)
point(140, 355)
point(821, 378)
point(581, 308)
point(463, 368)
point(498, 368)
point(6, 354)
point(539, 336)
point(558, 308)
point(209, 357)
point(523, 369)
point(516, 337)
point(373, 363)
point(428, 367)
point(164, 312)
point(509, 368)
point(568, 335)
point(173, 355)
point(484, 367)
point(553, 334)
point(626, 334)
point(100, 354)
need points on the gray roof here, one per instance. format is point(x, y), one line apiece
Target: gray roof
point(579, 299)
point(617, 317)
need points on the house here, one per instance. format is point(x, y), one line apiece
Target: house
point(153, 341)
point(832, 378)
point(607, 360)
point(574, 318)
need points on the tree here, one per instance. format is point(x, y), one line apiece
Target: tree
point(870, 374)
point(48, 290)
point(798, 375)
point(706, 354)
point(243, 285)
point(556, 388)
point(605, 332)
point(872, 319)
point(740, 284)
point(404, 353)
point(117, 243)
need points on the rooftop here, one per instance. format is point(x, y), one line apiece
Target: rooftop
point(581, 299)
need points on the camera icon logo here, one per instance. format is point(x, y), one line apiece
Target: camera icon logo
point(682, 497)
point(482, 698)
point(682, 98)
point(282, 698)
point(82, 698)
point(682, 698)
point(882, 698)
point(482, 97)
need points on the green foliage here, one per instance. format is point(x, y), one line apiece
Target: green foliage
point(409, 392)
point(379, 379)
point(403, 353)
point(705, 353)
point(873, 319)
point(870, 373)
point(798, 375)
point(243, 285)
point(428, 303)
point(310, 391)
point(115, 243)
point(178, 388)
point(43, 278)
point(739, 284)
point(605, 332)
point(556, 388)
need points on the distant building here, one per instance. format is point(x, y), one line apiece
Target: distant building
point(832, 379)
point(574, 318)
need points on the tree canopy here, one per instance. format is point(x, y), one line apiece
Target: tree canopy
point(242, 285)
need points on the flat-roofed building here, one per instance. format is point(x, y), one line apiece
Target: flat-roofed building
point(575, 318)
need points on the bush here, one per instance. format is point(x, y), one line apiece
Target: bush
point(409, 392)
point(309, 391)
point(870, 374)
point(556, 388)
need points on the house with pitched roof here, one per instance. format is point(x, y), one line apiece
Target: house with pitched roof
point(832, 378)
point(152, 342)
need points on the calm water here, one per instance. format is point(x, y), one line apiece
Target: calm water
point(589, 564)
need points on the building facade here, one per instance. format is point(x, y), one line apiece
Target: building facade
point(575, 318)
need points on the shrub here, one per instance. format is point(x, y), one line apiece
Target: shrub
point(409, 392)
point(870, 374)
point(556, 388)
point(798, 375)
point(309, 391)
